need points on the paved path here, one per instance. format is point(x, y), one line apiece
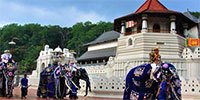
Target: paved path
point(32, 96)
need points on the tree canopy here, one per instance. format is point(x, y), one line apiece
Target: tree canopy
point(196, 14)
point(31, 38)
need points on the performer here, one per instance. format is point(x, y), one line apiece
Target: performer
point(74, 81)
point(50, 81)
point(46, 83)
point(57, 74)
point(155, 60)
point(24, 86)
point(155, 56)
point(6, 56)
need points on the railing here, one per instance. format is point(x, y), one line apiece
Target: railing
point(149, 30)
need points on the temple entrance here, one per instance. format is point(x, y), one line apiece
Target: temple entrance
point(156, 28)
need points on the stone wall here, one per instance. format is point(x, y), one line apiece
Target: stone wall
point(109, 80)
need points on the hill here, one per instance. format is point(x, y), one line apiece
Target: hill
point(31, 38)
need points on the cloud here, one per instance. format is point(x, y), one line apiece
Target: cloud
point(15, 12)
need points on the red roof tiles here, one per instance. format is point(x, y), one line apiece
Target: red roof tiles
point(152, 6)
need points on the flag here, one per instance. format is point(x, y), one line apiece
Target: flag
point(193, 42)
point(130, 24)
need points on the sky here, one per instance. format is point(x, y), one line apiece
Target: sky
point(68, 12)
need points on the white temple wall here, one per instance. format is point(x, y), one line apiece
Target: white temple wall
point(193, 32)
point(101, 82)
point(170, 47)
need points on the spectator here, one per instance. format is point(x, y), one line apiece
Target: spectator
point(24, 86)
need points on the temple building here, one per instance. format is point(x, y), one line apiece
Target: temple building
point(100, 49)
point(45, 58)
point(151, 25)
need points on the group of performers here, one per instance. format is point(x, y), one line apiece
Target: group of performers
point(56, 79)
point(154, 80)
point(7, 73)
point(59, 80)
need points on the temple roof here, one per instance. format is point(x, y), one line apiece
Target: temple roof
point(96, 54)
point(105, 37)
point(191, 17)
point(152, 6)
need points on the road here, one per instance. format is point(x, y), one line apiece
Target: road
point(32, 96)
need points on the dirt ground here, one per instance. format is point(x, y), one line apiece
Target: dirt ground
point(32, 96)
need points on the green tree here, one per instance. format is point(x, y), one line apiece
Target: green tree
point(31, 38)
point(196, 14)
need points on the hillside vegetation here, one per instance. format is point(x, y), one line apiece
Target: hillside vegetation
point(31, 38)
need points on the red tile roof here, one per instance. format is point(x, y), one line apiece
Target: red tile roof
point(152, 6)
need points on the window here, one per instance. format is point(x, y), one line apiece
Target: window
point(156, 28)
point(130, 42)
point(160, 43)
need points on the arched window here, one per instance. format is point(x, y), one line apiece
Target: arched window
point(130, 42)
point(156, 28)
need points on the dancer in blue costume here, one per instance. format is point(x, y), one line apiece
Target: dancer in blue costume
point(73, 81)
point(157, 80)
point(50, 82)
point(60, 89)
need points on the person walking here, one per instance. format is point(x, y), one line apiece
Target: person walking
point(24, 86)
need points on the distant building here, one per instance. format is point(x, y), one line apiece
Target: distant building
point(100, 49)
point(109, 59)
point(45, 58)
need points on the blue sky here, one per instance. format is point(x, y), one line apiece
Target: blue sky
point(68, 12)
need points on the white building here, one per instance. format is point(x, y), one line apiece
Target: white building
point(45, 58)
point(111, 55)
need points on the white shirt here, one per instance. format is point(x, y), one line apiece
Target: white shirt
point(154, 67)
